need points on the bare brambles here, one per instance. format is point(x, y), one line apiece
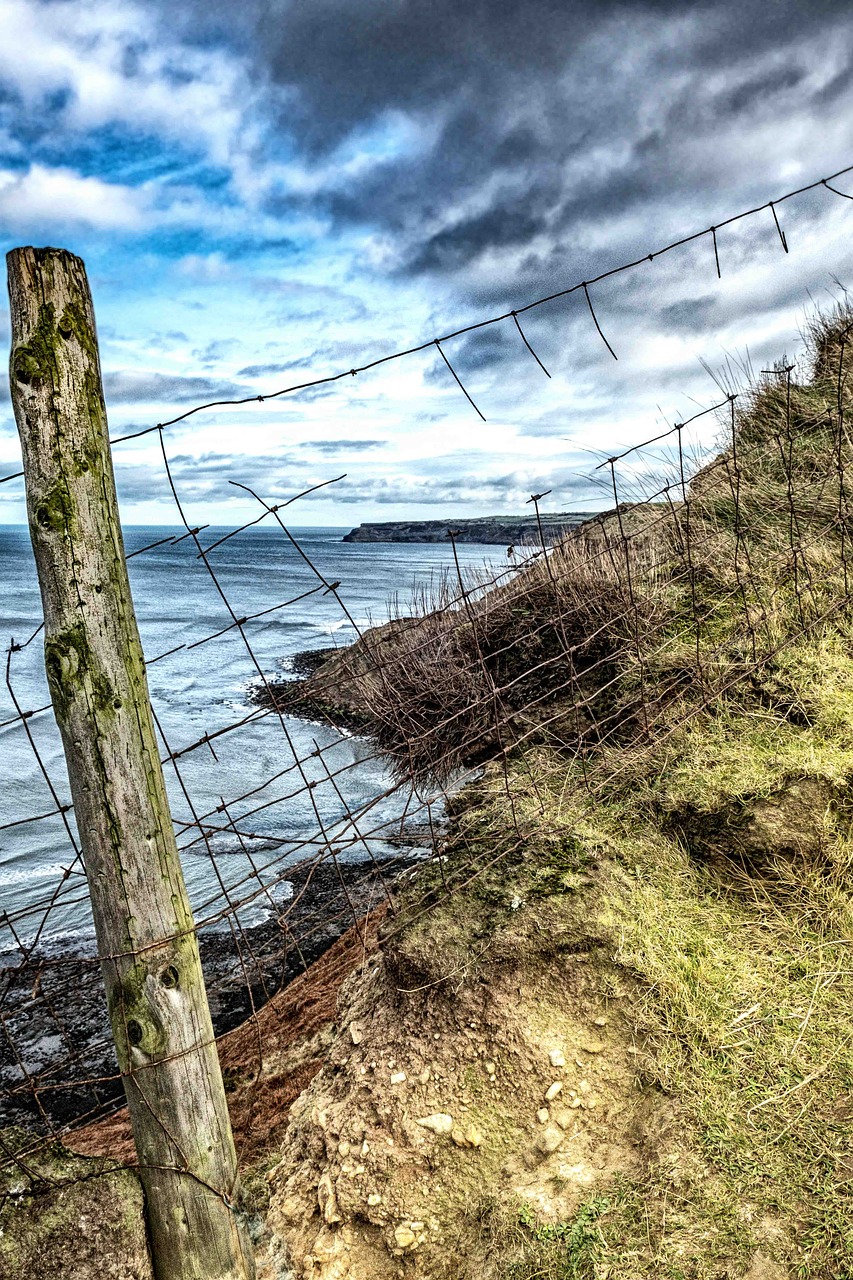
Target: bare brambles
point(644, 614)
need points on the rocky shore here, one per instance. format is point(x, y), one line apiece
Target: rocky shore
point(55, 1013)
point(501, 531)
point(331, 682)
point(55, 1018)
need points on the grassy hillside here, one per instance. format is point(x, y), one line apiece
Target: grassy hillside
point(659, 846)
point(606, 1034)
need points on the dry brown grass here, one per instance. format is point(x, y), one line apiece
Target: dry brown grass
point(465, 681)
point(683, 599)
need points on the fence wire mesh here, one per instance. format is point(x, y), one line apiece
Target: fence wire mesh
point(600, 644)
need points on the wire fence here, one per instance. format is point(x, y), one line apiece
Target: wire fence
point(600, 645)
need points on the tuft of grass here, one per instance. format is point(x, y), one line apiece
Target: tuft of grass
point(699, 826)
point(742, 981)
point(477, 672)
point(527, 1249)
point(745, 1013)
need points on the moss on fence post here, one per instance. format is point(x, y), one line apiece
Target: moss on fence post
point(152, 972)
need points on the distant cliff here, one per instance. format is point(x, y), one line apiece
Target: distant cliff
point(491, 530)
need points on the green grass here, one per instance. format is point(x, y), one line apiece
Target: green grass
point(742, 981)
point(527, 1249)
point(747, 1017)
point(707, 848)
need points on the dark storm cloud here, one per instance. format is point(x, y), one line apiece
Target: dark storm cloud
point(350, 60)
point(752, 92)
point(690, 315)
point(328, 356)
point(270, 370)
point(537, 119)
point(283, 366)
point(514, 222)
point(476, 352)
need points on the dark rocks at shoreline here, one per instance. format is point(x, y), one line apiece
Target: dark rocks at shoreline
point(321, 693)
point(300, 698)
point(307, 661)
point(55, 1021)
point(502, 531)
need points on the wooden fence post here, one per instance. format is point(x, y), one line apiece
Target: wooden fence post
point(145, 931)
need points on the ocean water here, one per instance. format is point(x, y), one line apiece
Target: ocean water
point(203, 690)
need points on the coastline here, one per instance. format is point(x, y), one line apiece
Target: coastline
point(494, 531)
point(328, 682)
point(59, 1022)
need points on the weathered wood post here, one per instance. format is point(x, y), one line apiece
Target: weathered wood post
point(149, 953)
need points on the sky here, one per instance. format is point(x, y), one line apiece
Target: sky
point(271, 192)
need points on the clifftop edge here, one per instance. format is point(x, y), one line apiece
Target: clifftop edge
point(487, 530)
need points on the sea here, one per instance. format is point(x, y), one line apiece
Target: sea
point(247, 784)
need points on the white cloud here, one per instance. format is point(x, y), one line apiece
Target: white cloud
point(117, 66)
point(325, 290)
point(43, 196)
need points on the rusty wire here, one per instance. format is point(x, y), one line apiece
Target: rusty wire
point(582, 690)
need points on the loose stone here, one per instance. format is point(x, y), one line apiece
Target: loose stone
point(404, 1236)
point(552, 1090)
point(549, 1140)
point(328, 1201)
point(470, 1137)
point(439, 1123)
